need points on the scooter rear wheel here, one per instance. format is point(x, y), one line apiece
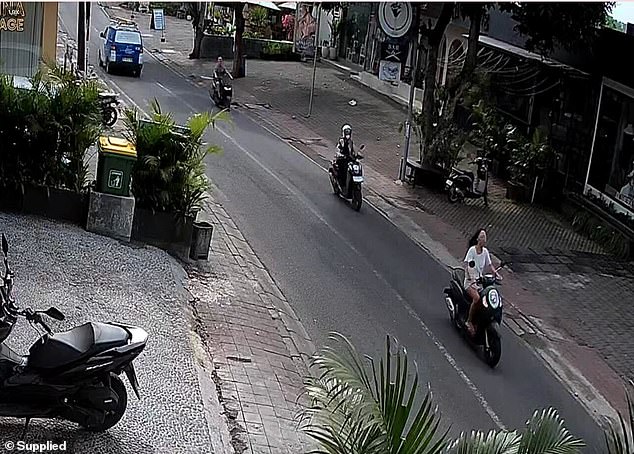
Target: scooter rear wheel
point(114, 416)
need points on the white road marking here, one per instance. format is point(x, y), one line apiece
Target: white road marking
point(165, 88)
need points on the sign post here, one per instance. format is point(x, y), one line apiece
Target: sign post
point(158, 22)
point(396, 20)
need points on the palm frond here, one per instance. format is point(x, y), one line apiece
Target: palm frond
point(502, 442)
point(619, 440)
point(358, 411)
point(546, 434)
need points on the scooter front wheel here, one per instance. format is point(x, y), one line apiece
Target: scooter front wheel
point(112, 417)
point(454, 195)
point(493, 351)
point(357, 198)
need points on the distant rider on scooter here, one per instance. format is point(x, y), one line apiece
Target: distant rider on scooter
point(478, 256)
point(345, 152)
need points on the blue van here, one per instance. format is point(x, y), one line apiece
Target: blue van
point(121, 47)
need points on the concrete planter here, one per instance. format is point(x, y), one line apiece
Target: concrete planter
point(332, 53)
point(167, 231)
point(53, 203)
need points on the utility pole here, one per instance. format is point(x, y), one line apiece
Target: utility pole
point(87, 41)
point(312, 87)
point(81, 37)
point(410, 104)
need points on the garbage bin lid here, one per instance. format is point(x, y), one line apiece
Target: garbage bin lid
point(117, 145)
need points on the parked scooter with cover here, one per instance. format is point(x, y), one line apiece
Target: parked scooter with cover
point(348, 185)
point(463, 184)
point(489, 318)
point(71, 375)
point(109, 102)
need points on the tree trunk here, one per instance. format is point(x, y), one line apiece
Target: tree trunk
point(238, 60)
point(471, 59)
point(198, 40)
point(433, 43)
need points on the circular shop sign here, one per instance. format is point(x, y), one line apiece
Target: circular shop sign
point(395, 18)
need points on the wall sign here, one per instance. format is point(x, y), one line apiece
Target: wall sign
point(394, 51)
point(12, 17)
point(395, 18)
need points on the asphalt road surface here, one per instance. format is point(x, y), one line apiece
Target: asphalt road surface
point(350, 272)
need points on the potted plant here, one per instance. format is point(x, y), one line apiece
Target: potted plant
point(169, 182)
point(46, 133)
point(325, 52)
point(530, 158)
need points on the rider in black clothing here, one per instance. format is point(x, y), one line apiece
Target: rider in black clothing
point(345, 152)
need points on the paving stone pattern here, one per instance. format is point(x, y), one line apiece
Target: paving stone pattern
point(242, 325)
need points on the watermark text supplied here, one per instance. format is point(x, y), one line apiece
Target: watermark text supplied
point(23, 446)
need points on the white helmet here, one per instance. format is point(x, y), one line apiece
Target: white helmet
point(346, 130)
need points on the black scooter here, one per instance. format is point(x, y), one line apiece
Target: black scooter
point(463, 184)
point(109, 103)
point(488, 321)
point(348, 186)
point(221, 91)
point(71, 375)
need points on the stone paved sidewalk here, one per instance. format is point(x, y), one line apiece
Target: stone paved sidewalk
point(254, 339)
point(564, 294)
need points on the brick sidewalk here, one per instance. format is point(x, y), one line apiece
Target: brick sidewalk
point(254, 340)
point(563, 290)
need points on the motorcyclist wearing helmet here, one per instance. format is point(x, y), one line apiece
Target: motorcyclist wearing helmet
point(345, 152)
point(220, 69)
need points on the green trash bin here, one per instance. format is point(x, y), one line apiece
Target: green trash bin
point(114, 167)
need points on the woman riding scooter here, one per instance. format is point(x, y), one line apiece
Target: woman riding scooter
point(477, 262)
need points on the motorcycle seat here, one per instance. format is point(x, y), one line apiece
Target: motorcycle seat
point(83, 341)
point(463, 172)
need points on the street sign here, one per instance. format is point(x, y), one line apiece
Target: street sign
point(395, 18)
point(395, 51)
point(158, 19)
point(115, 179)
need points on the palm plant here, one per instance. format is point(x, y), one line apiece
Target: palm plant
point(169, 175)
point(354, 410)
point(620, 440)
point(357, 408)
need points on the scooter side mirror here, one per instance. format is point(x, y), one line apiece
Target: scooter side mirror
point(102, 35)
point(362, 147)
point(472, 264)
point(5, 245)
point(54, 313)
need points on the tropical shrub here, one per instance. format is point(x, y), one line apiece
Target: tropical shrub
point(46, 130)
point(169, 175)
point(359, 407)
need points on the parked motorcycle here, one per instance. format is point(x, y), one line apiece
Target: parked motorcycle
point(463, 184)
point(109, 107)
point(348, 185)
point(221, 91)
point(489, 318)
point(71, 375)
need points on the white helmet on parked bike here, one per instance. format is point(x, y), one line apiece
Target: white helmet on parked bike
point(346, 131)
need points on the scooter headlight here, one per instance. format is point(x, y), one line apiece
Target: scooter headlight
point(494, 298)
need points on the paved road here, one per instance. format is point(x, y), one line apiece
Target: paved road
point(353, 272)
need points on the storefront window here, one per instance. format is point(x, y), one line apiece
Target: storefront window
point(612, 165)
point(20, 37)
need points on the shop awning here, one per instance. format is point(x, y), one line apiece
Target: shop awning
point(264, 4)
point(288, 5)
point(523, 53)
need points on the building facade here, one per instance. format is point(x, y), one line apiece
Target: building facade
point(28, 36)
